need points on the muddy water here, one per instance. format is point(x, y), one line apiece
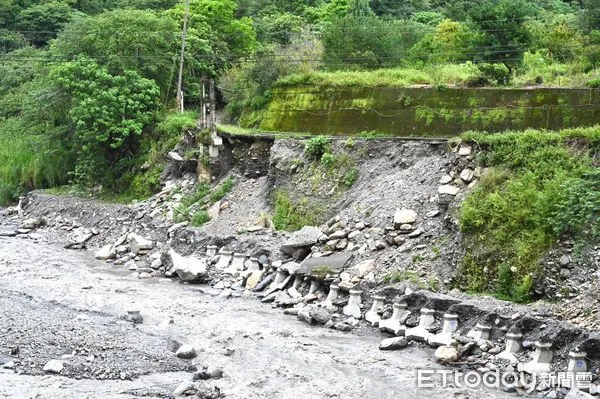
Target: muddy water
point(52, 299)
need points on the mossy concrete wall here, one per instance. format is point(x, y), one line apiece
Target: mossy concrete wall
point(427, 111)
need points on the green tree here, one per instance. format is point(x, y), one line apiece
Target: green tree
point(216, 40)
point(135, 40)
point(369, 42)
point(399, 8)
point(591, 14)
point(505, 37)
point(360, 8)
point(108, 114)
point(43, 21)
point(450, 42)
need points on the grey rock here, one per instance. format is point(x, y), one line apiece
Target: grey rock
point(186, 352)
point(188, 269)
point(392, 344)
point(138, 243)
point(319, 315)
point(446, 354)
point(305, 237)
point(208, 374)
point(174, 156)
point(53, 366)
point(404, 216)
point(467, 175)
point(448, 189)
point(31, 224)
point(342, 327)
point(106, 252)
point(415, 233)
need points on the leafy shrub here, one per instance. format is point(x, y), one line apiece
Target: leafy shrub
point(222, 190)
point(317, 146)
point(200, 218)
point(328, 160)
point(350, 177)
point(291, 216)
point(494, 72)
point(594, 83)
point(540, 185)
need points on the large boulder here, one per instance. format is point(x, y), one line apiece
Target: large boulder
point(138, 244)
point(446, 354)
point(106, 252)
point(189, 269)
point(392, 344)
point(303, 238)
point(404, 216)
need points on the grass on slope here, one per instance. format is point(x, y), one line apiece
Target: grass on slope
point(539, 186)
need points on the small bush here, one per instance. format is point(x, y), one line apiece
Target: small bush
point(350, 177)
point(322, 271)
point(395, 277)
point(497, 72)
point(328, 160)
point(199, 218)
point(594, 83)
point(290, 216)
point(539, 186)
point(317, 146)
point(222, 190)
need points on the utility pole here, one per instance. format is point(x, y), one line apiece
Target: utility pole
point(203, 104)
point(213, 106)
point(183, 38)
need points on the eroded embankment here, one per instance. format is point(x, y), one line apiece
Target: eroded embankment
point(391, 232)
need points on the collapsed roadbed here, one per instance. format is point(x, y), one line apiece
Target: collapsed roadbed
point(336, 275)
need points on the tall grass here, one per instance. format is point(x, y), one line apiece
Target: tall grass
point(28, 161)
point(451, 74)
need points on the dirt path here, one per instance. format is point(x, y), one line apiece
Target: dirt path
point(53, 301)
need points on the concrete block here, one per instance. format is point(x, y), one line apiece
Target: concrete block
point(480, 332)
point(314, 286)
point(446, 336)
point(541, 361)
point(297, 282)
point(421, 332)
point(331, 296)
point(577, 362)
point(238, 261)
point(334, 262)
point(372, 316)
point(353, 307)
point(211, 250)
point(252, 264)
point(513, 345)
point(224, 259)
point(395, 324)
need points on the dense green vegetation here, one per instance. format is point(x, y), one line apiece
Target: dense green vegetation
point(87, 88)
point(402, 43)
point(539, 186)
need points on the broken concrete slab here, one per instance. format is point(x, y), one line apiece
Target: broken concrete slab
point(334, 262)
point(305, 237)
